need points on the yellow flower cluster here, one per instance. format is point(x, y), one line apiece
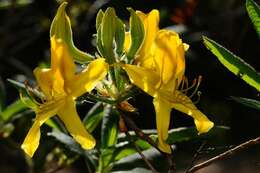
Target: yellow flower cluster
point(158, 69)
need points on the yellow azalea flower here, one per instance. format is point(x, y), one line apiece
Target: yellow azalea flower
point(61, 85)
point(159, 71)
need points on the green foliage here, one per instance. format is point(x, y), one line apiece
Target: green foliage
point(248, 102)
point(253, 11)
point(108, 34)
point(136, 33)
point(235, 64)
point(68, 141)
point(109, 129)
point(61, 28)
point(94, 117)
point(12, 109)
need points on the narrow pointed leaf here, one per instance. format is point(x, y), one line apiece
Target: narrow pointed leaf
point(12, 110)
point(253, 11)
point(99, 18)
point(119, 36)
point(94, 117)
point(136, 33)
point(248, 102)
point(109, 129)
point(69, 142)
point(235, 64)
point(108, 34)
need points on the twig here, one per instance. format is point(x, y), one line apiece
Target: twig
point(141, 154)
point(145, 137)
point(196, 155)
point(226, 154)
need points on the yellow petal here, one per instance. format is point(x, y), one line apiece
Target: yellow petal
point(88, 78)
point(44, 79)
point(31, 141)
point(163, 113)
point(168, 53)
point(127, 42)
point(68, 114)
point(151, 27)
point(183, 104)
point(61, 59)
point(144, 78)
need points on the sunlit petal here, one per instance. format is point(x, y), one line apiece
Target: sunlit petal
point(163, 113)
point(44, 79)
point(31, 141)
point(62, 59)
point(88, 78)
point(144, 78)
point(183, 104)
point(151, 27)
point(168, 52)
point(127, 42)
point(68, 114)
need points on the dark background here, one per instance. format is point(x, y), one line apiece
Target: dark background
point(24, 44)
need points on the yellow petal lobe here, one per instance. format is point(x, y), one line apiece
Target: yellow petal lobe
point(31, 141)
point(183, 104)
point(144, 78)
point(68, 114)
point(89, 77)
point(151, 27)
point(163, 113)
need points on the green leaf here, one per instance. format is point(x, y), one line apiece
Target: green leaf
point(61, 29)
point(106, 160)
point(253, 11)
point(248, 102)
point(235, 64)
point(136, 33)
point(119, 36)
point(126, 163)
point(125, 149)
point(13, 109)
point(108, 33)
point(189, 133)
point(99, 18)
point(94, 117)
point(22, 87)
point(68, 141)
point(109, 129)
point(51, 123)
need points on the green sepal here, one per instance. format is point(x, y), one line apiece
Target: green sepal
point(136, 34)
point(119, 36)
point(99, 18)
point(107, 34)
point(61, 29)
